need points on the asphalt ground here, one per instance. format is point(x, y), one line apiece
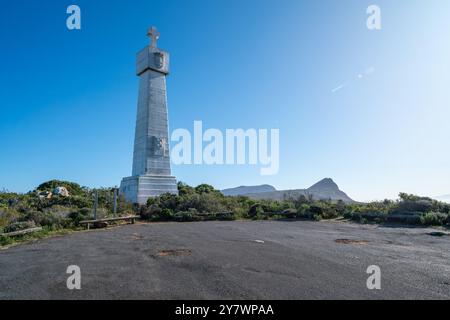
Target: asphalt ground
point(232, 260)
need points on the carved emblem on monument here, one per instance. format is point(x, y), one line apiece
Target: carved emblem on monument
point(159, 60)
point(158, 146)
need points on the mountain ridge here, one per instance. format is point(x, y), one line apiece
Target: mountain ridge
point(249, 189)
point(325, 189)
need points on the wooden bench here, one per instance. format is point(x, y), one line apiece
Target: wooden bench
point(21, 232)
point(131, 219)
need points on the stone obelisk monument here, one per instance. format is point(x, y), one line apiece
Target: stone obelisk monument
point(151, 174)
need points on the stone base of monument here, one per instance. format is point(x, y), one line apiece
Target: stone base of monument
point(138, 189)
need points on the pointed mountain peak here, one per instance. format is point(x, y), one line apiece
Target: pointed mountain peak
point(326, 183)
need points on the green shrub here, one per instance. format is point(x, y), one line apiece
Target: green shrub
point(151, 201)
point(184, 216)
point(316, 210)
point(61, 211)
point(255, 210)
point(206, 188)
point(240, 213)
point(18, 226)
point(377, 217)
point(415, 206)
point(169, 201)
point(290, 213)
point(166, 214)
point(330, 213)
point(5, 240)
point(80, 215)
point(225, 216)
point(405, 217)
point(261, 216)
point(151, 212)
point(306, 215)
point(184, 189)
point(8, 216)
point(365, 217)
point(47, 219)
point(433, 219)
point(303, 208)
point(348, 215)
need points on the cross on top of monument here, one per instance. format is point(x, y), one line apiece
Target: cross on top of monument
point(153, 34)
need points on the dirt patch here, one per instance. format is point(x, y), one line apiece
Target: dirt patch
point(177, 252)
point(351, 241)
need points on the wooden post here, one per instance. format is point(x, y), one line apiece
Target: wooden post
point(115, 201)
point(95, 204)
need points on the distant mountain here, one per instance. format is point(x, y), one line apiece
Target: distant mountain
point(328, 189)
point(445, 198)
point(246, 190)
point(325, 189)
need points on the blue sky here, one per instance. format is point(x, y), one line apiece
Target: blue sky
point(68, 98)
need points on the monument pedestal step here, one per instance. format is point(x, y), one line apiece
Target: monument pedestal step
point(138, 189)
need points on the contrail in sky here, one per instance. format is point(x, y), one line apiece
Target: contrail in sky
point(339, 87)
point(368, 72)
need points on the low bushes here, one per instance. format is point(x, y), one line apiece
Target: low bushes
point(434, 219)
point(155, 213)
point(204, 203)
point(8, 216)
point(80, 215)
point(405, 217)
point(19, 226)
point(48, 219)
point(184, 216)
point(364, 217)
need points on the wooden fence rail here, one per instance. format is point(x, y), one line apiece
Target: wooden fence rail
point(21, 232)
